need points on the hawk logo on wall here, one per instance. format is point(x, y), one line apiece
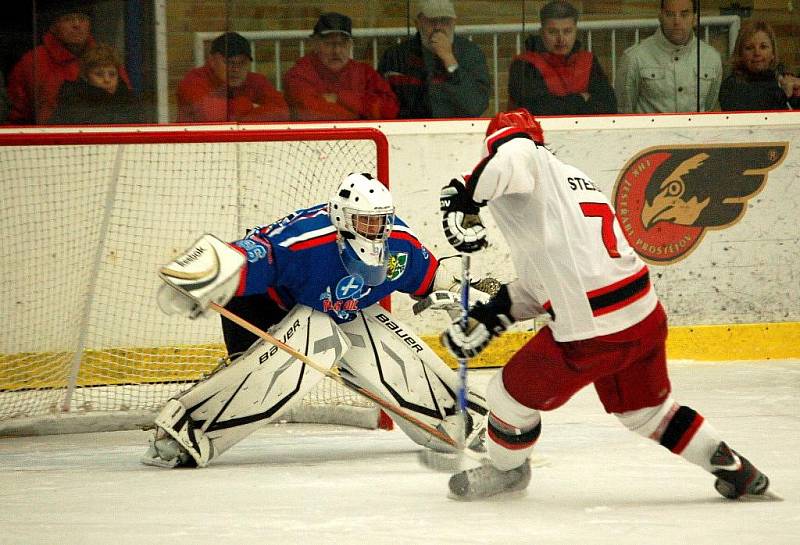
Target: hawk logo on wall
point(667, 197)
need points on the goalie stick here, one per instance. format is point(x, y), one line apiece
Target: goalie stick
point(394, 409)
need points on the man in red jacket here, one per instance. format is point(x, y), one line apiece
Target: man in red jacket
point(225, 89)
point(328, 85)
point(35, 80)
point(555, 76)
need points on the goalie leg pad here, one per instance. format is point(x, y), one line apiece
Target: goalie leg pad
point(255, 389)
point(389, 359)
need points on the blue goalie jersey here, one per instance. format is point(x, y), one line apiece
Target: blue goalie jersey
point(296, 260)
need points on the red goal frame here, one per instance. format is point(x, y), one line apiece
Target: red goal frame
point(171, 135)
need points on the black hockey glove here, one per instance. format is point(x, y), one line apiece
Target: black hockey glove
point(460, 218)
point(485, 322)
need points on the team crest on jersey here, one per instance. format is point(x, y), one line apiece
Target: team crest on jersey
point(397, 265)
point(666, 198)
point(344, 300)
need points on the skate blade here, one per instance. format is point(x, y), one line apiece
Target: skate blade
point(769, 495)
point(158, 462)
point(499, 497)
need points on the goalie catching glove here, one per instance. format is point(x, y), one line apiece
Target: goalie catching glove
point(486, 321)
point(208, 272)
point(460, 218)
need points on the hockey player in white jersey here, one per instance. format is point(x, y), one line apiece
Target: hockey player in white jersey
point(607, 326)
point(314, 278)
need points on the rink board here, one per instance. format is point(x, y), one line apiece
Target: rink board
point(733, 296)
point(710, 343)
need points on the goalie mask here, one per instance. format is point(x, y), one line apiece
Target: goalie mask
point(363, 213)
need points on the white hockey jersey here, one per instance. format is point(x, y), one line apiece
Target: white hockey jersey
point(567, 246)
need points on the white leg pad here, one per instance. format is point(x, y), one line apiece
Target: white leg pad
point(389, 359)
point(510, 415)
point(255, 389)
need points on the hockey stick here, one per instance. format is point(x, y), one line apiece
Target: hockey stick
point(462, 362)
point(394, 409)
point(440, 461)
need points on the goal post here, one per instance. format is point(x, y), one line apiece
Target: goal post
point(90, 214)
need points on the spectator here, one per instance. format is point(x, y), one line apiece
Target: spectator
point(224, 89)
point(4, 105)
point(757, 81)
point(327, 84)
point(35, 80)
point(436, 73)
point(659, 74)
point(554, 76)
point(96, 96)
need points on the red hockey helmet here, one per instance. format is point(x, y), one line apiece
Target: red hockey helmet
point(520, 118)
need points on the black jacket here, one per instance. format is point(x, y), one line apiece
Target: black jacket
point(752, 92)
point(424, 87)
point(82, 104)
point(528, 88)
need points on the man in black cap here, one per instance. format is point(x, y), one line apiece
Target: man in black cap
point(328, 85)
point(35, 80)
point(225, 89)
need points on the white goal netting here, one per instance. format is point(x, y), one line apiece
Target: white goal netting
point(86, 220)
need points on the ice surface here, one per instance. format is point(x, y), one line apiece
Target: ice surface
point(310, 485)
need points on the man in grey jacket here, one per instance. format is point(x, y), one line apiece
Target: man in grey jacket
point(660, 73)
point(436, 73)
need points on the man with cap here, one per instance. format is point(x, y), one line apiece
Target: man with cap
point(35, 80)
point(436, 73)
point(327, 84)
point(224, 89)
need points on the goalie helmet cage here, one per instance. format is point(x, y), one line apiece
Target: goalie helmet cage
point(87, 218)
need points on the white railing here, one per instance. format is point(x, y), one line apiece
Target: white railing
point(520, 32)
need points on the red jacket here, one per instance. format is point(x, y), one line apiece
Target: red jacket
point(361, 92)
point(202, 97)
point(35, 80)
point(563, 74)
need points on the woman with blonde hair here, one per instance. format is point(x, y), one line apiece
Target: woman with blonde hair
point(757, 80)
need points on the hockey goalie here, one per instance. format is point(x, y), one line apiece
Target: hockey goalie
point(313, 279)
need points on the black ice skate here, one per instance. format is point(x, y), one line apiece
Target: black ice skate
point(737, 478)
point(486, 480)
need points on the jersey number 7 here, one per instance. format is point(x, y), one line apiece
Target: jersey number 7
point(606, 215)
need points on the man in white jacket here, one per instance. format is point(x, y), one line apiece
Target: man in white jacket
point(660, 73)
point(607, 329)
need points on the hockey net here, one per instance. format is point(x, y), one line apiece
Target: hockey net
point(87, 218)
